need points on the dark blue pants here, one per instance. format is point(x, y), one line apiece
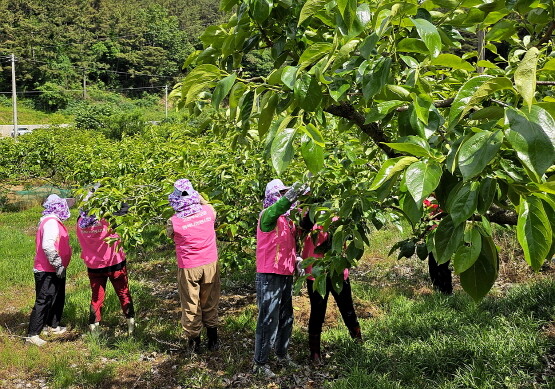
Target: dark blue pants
point(275, 315)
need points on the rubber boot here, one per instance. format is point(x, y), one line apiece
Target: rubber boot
point(314, 347)
point(212, 334)
point(194, 344)
point(356, 334)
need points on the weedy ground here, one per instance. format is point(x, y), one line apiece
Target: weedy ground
point(414, 337)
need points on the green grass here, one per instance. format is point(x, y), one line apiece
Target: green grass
point(26, 115)
point(415, 340)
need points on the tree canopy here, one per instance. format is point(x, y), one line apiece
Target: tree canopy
point(112, 43)
point(457, 96)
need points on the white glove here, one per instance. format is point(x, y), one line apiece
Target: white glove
point(298, 264)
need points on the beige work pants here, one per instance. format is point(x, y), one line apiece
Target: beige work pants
point(199, 293)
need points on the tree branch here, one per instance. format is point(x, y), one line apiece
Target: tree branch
point(502, 216)
point(545, 82)
point(438, 104)
point(373, 130)
point(547, 35)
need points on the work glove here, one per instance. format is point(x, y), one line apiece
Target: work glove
point(298, 265)
point(295, 191)
point(61, 272)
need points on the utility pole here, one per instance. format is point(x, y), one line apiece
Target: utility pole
point(166, 101)
point(481, 34)
point(85, 84)
point(14, 98)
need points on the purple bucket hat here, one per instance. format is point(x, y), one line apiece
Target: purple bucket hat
point(185, 200)
point(56, 205)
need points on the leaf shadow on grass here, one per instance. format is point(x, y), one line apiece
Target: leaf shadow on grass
point(451, 342)
point(14, 323)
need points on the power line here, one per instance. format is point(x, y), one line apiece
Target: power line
point(91, 41)
point(81, 90)
point(96, 69)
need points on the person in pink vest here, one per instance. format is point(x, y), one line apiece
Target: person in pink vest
point(52, 256)
point(316, 243)
point(198, 275)
point(276, 261)
point(104, 261)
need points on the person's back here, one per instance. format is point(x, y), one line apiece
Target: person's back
point(198, 275)
point(195, 238)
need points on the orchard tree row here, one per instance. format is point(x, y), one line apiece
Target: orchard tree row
point(456, 97)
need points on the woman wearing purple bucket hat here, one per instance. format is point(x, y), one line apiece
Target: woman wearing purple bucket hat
point(198, 276)
point(276, 261)
point(52, 256)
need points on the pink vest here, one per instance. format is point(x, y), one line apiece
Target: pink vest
point(62, 247)
point(195, 238)
point(95, 252)
point(309, 247)
point(275, 250)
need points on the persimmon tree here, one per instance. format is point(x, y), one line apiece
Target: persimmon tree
point(456, 96)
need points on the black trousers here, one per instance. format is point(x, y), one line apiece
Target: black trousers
point(49, 302)
point(318, 305)
point(440, 275)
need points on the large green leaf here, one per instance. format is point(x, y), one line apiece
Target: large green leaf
point(374, 80)
point(381, 110)
point(261, 9)
point(246, 108)
point(429, 34)
point(222, 89)
point(501, 31)
point(288, 76)
point(412, 45)
point(314, 133)
point(462, 201)
point(486, 194)
point(282, 149)
point(200, 78)
point(411, 209)
point(389, 168)
point(447, 239)
point(313, 154)
point(410, 148)
point(533, 231)
point(547, 187)
point(525, 76)
point(314, 52)
point(310, 8)
point(452, 61)
point(422, 178)
point(237, 92)
point(477, 152)
point(549, 207)
point(474, 91)
point(549, 66)
point(308, 92)
point(532, 136)
point(267, 113)
point(467, 254)
point(480, 277)
point(227, 5)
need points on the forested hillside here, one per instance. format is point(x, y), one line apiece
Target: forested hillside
point(107, 43)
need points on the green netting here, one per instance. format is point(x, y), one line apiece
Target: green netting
point(41, 192)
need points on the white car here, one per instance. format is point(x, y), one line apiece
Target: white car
point(22, 131)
